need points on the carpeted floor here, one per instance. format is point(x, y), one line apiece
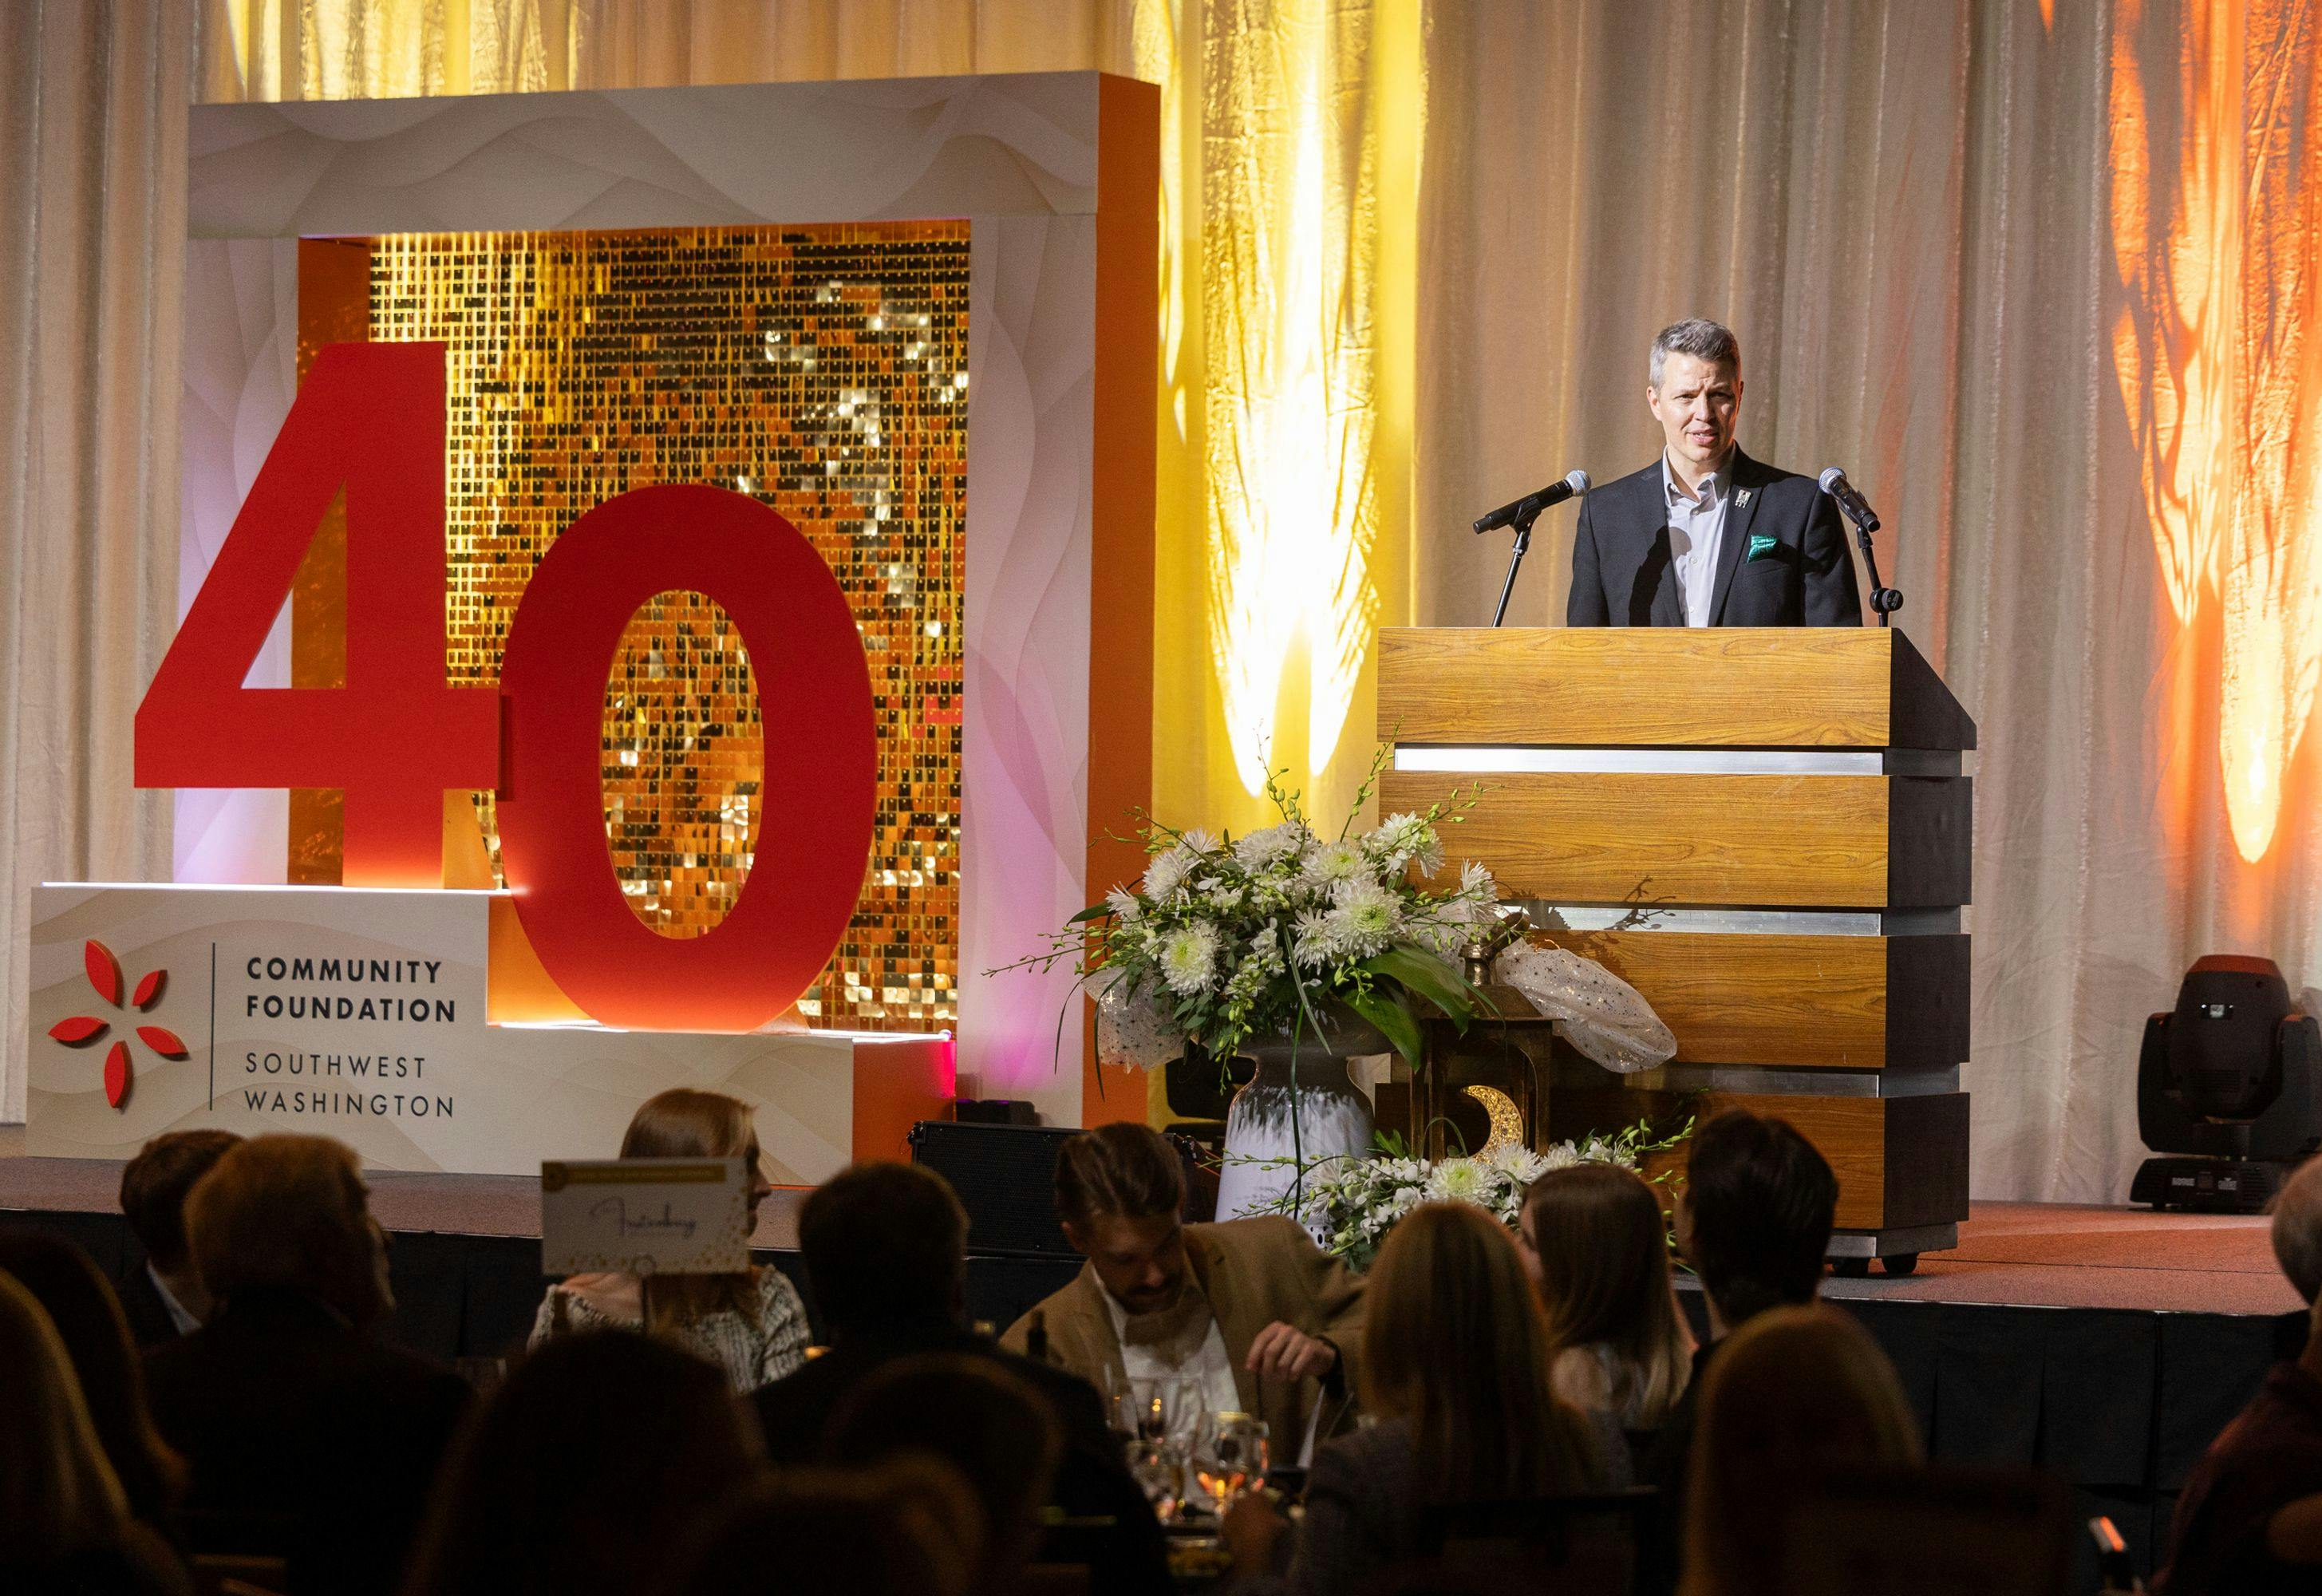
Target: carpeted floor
point(2058, 1255)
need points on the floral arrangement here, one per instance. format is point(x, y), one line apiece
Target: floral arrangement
point(1353, 1203)
point(1228, 938)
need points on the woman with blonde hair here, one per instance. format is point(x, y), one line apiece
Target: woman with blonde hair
point(1455, 1368)
point(750, 1323)
point(1597, 1246)
point(64, 1521)
point(1793, 1396)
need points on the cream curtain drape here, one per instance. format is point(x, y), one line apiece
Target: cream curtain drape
point(93, 98)
point(2043, 278)
point(2038, 272)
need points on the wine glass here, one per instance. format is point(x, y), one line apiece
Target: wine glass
point(1159, 1470)
point(1167, 1407)
point(1235, 1459)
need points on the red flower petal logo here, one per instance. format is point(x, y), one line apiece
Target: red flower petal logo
point(117, 1074)
point(104, 977)
point(103, 972)
point(164, 1042)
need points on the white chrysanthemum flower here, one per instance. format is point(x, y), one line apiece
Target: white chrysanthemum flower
point(1363, 917)
point(1519, 1163)
point(1401, 839)
point(1330, 862)
point(1562, 1156)
point(1262, 849)
point(1476, 881)
point(1315, 943)
point(1124, 905)
point(1189, 958)
point(1461, 1180)
point(1166, 874)
point(1197, 841)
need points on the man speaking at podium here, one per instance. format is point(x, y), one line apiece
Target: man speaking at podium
point(1707, 535)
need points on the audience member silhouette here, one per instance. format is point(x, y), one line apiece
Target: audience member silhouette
point(303, 1437)
point(1264, 1319)
point(1595, 1244)
point(979, 1418)
point(886, 1254)
point(752, 1323)
point(164, 1295)
point(1796, 1393)
point(79, 1303)
point(1754, 1220)
point(2226, 1536)
point(1456, 1369)
point(65, 1526)
point(910, 1528)
point(595, 1458)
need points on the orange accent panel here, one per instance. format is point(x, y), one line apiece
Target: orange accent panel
point(517, 990)
point(899, 1082)
point(1121, 586)
point(334, 308)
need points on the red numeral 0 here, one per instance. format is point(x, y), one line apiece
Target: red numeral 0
point(814, 834)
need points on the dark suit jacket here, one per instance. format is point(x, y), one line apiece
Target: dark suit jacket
point(1622, 572)
point(1093, 1481)
point(141, 1302)
point(303, 1438)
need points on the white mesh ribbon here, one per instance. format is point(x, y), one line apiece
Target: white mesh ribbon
point(1600, 1013)
point(1133, 1031)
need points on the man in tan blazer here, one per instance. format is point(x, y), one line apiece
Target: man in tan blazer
point(1252, 1308)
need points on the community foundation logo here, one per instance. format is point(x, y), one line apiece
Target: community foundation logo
point(85, 1031)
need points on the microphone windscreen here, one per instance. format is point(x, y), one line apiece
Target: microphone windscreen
point(1832, 476)
point(1577, 480)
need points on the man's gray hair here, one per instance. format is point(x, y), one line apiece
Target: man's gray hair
point(2298, 1228)
point(1699, 337)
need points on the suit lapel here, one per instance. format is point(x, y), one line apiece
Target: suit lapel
point(1202, 1256)
point(1747, 491)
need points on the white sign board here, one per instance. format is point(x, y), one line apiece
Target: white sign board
point(360, 1014)
point(644, 1216)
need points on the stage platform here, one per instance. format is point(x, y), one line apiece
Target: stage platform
point(2108, 1346)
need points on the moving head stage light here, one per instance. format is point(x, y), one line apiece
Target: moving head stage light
point(2230, 1083)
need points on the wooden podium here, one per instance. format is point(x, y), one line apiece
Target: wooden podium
point(1767, 834)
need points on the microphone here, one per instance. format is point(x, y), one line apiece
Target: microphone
point(1527, 510)
point(1858, 508)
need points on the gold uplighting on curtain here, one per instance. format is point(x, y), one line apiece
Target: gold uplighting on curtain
point(2216, 208)
point(1290, 145)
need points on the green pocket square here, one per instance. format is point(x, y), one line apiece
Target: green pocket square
point(1761, 546)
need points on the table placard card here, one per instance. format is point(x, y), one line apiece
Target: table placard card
point(644, 1216)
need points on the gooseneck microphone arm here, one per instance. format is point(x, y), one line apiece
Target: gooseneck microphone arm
point(1520, 514)
point(1884, 599)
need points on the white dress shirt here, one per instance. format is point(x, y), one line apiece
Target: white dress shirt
point(1698, 537)
point(179, 1316)
point(1210, 1367)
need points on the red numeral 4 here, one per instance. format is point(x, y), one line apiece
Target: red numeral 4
point(369, 417)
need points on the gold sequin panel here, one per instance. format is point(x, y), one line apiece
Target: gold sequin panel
point(824, 371)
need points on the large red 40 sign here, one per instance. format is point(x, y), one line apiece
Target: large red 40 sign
point(368, 418)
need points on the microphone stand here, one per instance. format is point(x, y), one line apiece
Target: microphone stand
point(1884, 599)
point(1515, 564)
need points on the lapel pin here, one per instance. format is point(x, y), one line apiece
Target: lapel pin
point(1743, 497)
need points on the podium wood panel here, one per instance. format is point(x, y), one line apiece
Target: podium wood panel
point(1837, 687)
point(1767, 841)
point(1793, 1002)
point(1900, 1161)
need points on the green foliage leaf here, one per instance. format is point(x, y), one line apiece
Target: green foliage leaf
point(1390, 1013)
point(1436, 980)
point(1093, 912)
